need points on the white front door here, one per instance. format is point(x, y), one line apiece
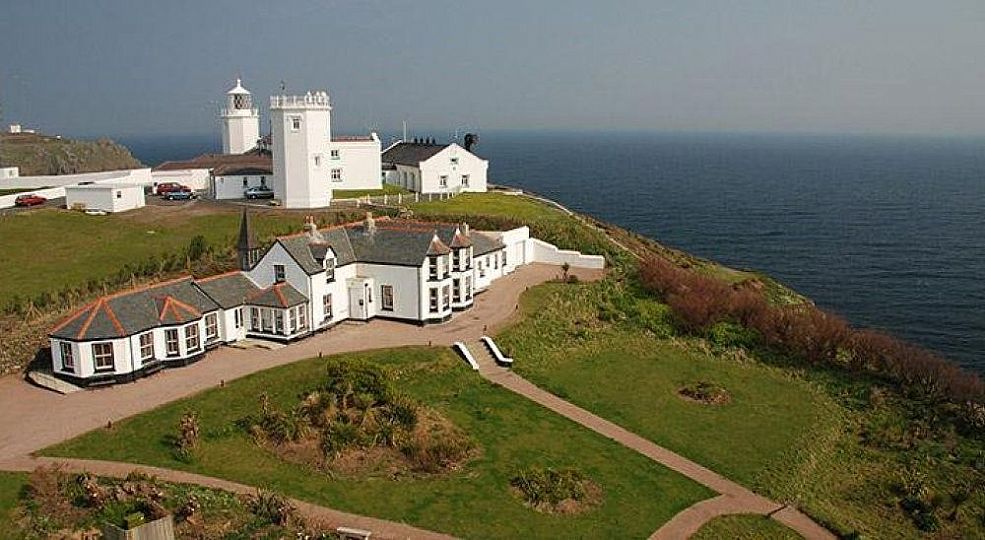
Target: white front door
point(358, 308)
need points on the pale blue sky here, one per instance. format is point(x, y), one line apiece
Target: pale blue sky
point(132, 67)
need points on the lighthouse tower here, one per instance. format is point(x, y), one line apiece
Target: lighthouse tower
point(240, 121)
point(301, 133)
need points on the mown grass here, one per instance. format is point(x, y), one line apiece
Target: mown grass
point(387, 189)
point(817, 438)
point(47, 250)
point(512, 433)
point(11, 485)
point(745, 527)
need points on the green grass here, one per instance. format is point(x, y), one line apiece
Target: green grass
point(745, 527)
point(11, 485)
point(512, 432)
point(49, 249)
point(388, 189)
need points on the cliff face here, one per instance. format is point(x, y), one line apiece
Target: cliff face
point(37, 154)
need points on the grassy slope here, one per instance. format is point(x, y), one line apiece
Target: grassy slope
point(388, 189)
point(744, 527)
point(475, 502)
point(48, 249)
point(11, 485)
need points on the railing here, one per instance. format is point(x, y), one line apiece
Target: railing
point(391, 200)
point(466, 354)
point(238, 112)
point(497, 354)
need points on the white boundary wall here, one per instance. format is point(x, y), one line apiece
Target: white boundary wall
point(137, 177)
point(540, 251)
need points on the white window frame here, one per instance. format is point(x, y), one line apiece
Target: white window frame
point(211, 327)
point(336, 175)
point(278, 321)
point(433, 300)
point(68, 356)
point(168, 334)
point(334, 153)
point(443, 181)
point(146, 342)
point(326, 304)
point(193, 341)
point(292, 320)
point(386, 297)
point(465, 180)
point(446, 297)
point(302, 318)
point(99, 353)
point(295, 123)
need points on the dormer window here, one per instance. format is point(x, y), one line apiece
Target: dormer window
point(456, 259)
point(329, 269)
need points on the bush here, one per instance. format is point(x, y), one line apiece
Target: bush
point(188, 435)
point(547, 488)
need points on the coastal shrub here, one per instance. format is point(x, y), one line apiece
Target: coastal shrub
point(186, 441)
point(701, 303)
point(554, 490)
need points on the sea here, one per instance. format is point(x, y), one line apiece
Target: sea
point(887, 231)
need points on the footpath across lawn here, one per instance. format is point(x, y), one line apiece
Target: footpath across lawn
point(513, 434)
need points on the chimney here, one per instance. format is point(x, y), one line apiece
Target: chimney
point(370, 223)
point(309, 224)
point(465, 229)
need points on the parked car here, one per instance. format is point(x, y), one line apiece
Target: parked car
point(259, 192)
point(167, 187)
point(30, 199)
point(179, 195)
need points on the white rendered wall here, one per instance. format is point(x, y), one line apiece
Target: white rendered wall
point(197, 179)
point(360, 164)
point(301, 157)
point(232, 186)
point(406, 289)
point(240, 132)
point(543, 252)
point(125, 176)
point(6, 173)
point(108, 199)
point(442, 164)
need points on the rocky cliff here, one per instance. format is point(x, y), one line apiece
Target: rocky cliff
point(38, 154)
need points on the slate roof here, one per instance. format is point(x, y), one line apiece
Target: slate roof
point(131, 312)
point(278, 295)
point(213, 161)
point(399, 242)
point(410, 153)
point(228, 290)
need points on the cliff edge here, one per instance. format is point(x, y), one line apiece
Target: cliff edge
point(38, 154)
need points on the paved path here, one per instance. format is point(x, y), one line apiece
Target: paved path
point(319, 516)
point(32, 418)
point(734, 499)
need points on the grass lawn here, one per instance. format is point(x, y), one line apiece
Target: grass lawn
point(745, 527)
point(12, 191)
point(388, 189)
point(49, 249)
point(632, 378)
point(512, 432)
point(11, 485)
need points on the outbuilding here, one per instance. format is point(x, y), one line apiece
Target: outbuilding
point(105, 197)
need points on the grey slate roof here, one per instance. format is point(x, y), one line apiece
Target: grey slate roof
point(482, 243)
point(410, 153)
point(132, 312)
point(278, 295)
point(228, 290)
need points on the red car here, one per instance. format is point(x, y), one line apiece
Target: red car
point(167, 187)
point(29, 200)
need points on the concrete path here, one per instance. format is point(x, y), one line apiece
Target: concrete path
point(319, 516)
point(734, 498)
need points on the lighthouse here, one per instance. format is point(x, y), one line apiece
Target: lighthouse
point(240, 121)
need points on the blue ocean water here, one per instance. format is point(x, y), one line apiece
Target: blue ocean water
point(887, 231)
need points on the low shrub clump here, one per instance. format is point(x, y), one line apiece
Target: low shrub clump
point(705, 392)
point(561, 491)
point(59, 504)
point(702, 304)
point(357, 421)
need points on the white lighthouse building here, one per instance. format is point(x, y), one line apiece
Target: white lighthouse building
point(300, 138)
point(240, 121)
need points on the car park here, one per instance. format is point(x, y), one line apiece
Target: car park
point(259, 192)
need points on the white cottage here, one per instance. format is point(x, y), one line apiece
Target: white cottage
point(426, 167)
point(416, 272)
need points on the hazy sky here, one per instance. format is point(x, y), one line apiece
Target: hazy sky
point(130, 67)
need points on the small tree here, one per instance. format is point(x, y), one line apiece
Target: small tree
point(565, 268)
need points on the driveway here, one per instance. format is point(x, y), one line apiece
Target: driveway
point(32, 418)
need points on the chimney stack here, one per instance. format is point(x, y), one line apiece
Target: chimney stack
point(465, 229)
point(370, 223)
